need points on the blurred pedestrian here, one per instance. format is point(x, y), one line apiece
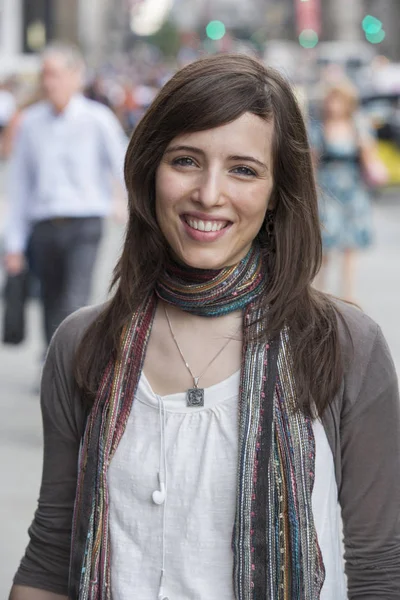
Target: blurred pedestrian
point(95, 91)
point(209, 421)
point(10, 132)
point(67, 151)
point(347, 163)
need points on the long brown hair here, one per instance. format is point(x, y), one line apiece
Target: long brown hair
point(205, 94)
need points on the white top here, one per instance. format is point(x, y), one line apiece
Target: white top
point(63, 165)
point(192, 531)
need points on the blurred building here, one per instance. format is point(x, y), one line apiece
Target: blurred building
point(28, 25)
point(342, 20)
point(189, 14)
point(102, 27)
point(93, 27)
point(388, 11)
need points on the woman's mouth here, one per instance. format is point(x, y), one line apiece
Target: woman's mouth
point(203, 230)
point(201, 225)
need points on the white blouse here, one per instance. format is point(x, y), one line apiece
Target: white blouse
point(188, 536)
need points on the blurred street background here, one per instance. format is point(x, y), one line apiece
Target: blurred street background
point(132, 47)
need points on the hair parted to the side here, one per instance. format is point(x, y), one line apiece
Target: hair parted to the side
point(206, 94)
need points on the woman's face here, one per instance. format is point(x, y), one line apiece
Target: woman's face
point(336, 106)
point(212, 191)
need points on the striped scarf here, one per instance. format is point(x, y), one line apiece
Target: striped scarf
point(274, 543)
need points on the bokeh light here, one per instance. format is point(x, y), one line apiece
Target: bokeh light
point(308, 38)
point(215, 30)
point(376, 38)
point(371, 25)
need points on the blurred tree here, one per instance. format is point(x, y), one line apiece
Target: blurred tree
point(167, 39)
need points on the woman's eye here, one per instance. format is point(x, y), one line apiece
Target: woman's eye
point(245, 171)
point(183, 161)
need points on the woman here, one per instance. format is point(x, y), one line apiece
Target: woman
point(220, 407)
point(347, 160)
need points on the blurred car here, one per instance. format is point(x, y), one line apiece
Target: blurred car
point(383, 111)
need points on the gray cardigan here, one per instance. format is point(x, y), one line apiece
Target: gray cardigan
point(362, 425)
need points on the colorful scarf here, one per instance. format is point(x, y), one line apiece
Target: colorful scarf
point(274, 543)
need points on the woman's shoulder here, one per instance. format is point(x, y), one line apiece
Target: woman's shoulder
point(367, 361)
point(71, 331)
point(358, 334)
point(355, 326)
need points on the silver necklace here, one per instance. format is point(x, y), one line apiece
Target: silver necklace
point(194, 395)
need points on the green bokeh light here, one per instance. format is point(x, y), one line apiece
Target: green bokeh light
point(371, 25)
point(376, 38)
point(308, 38)
point(215, 30)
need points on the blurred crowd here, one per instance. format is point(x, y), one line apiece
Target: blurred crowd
point(129, 83)
point(351, 101)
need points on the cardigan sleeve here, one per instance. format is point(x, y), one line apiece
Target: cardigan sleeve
point(369, 493)
point(45, 565)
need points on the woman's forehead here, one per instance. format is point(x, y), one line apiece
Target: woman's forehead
point(247, 133)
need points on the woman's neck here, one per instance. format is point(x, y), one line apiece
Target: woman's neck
point(197, 325)
point(200, 339)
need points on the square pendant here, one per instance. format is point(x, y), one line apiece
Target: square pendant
point(195, 397)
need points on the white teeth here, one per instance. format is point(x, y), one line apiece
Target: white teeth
point(205, 225)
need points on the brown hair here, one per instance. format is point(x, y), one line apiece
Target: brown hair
point(205, 94)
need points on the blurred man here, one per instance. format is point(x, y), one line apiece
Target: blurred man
point(67, 152)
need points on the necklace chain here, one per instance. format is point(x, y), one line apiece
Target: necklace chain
point(195, 379)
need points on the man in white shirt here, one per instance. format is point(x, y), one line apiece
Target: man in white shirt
point(68, 152)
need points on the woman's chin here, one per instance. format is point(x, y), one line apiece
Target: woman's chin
point(209, 260)
point(206, 265)
point(206, 261)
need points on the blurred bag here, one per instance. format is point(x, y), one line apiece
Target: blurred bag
point(15, 296)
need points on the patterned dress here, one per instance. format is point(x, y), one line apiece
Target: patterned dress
point(345, 204)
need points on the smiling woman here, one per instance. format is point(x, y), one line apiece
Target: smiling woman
point(210, 201)
point(205, 426)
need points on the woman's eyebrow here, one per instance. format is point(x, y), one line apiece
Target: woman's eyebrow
point(248, 159)
point(184, 149)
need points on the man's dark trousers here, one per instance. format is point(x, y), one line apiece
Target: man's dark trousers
point(63, 253)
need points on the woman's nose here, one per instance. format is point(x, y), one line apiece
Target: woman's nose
point(210, 190)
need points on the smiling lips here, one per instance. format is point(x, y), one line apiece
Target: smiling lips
point(204, 230)
point(205, 225)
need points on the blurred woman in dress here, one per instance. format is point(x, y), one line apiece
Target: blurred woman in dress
point(347, 166)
